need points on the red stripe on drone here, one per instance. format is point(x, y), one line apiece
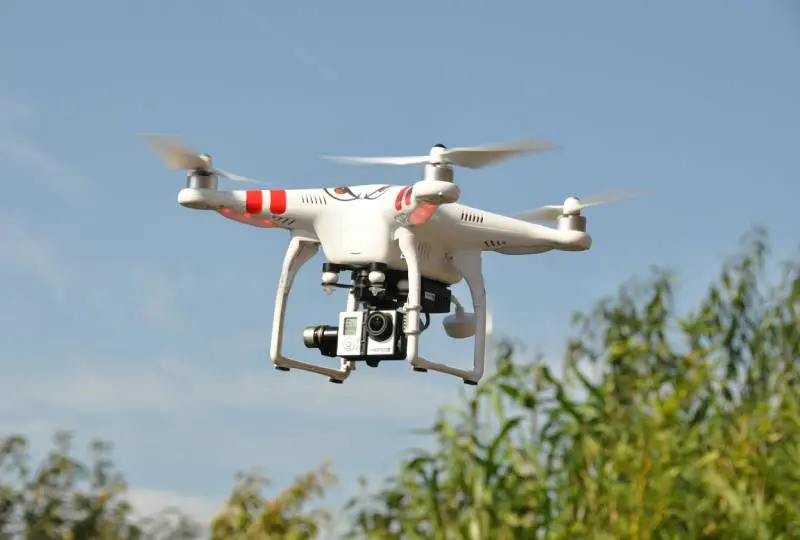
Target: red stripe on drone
point(277, 201)
point(399, 200)
point(254, 202)
point(408, 195)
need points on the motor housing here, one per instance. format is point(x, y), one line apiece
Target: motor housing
point(573, 222)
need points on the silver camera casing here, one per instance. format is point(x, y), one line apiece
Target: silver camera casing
point(353, 341)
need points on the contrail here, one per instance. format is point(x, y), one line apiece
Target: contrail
point(299, 52)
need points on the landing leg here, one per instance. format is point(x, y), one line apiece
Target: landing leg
point(299, 252)
point(470, 266)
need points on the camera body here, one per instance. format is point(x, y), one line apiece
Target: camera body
point(370, 335)
point(376, 331)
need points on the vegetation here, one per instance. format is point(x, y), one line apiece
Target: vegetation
point(659, 426)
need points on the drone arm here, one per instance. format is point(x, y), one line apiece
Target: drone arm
point(469, 264)
point(474, 229)
point(300, 251)
point(416, 204)
point(263, 208)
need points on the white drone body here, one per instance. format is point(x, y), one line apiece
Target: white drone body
point(406, 244)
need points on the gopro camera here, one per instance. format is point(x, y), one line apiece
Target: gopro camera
point(370, 335)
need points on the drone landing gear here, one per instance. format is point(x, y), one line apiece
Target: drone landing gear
point(469, 265)
point(299, 252)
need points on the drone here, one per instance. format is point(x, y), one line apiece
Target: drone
point(401, 249)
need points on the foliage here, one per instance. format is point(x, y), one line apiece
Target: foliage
point(660, 427)
point(66, 499)
point(248, 515)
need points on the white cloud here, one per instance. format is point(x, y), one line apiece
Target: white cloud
point(148, 502)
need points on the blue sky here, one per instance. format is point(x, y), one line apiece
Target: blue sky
point(126, 317)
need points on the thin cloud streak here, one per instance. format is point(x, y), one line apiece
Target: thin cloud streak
point(295, 49)
point(22, 249)
point(17, 118)
point(27, 253)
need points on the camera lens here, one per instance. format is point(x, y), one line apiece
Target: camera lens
point(323, 337)
point(379, 326)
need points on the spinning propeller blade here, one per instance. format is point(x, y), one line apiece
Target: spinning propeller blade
point(400, 160)
point(573, 205)
point(469, 157)
point(176, 155)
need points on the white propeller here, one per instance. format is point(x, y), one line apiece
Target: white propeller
point(470, 157)
point(573, 206)
point(177, 155)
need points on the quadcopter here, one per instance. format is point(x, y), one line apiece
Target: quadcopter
point(403, 246)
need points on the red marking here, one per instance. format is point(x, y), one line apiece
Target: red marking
point(247, 219)
point(408, 195)
point(254, 202)
point(340, 190)
point(277, 201)
point(422, 213)
point(399, 200)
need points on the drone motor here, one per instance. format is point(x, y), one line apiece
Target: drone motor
point(572, 223)
point(200, 179)
point(437, 172)
point(571, 218)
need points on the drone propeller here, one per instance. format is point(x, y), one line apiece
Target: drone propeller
point(574, 206)
point(176, 155)
point(473, 157)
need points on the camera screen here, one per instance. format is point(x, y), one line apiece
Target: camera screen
point(350, 324)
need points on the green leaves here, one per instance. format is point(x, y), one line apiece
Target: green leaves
point(249, 515)
point(64, 498)
point(675, 426)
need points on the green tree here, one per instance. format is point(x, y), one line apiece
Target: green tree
point(65, 499)
point(249, 515)
point(660, 426)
